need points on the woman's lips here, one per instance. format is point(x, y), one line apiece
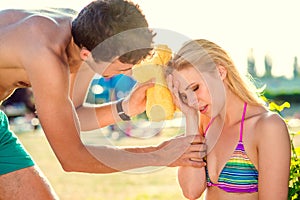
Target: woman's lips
point(203, 109)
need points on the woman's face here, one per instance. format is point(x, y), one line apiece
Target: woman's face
point(193, 90)
point(201, 91)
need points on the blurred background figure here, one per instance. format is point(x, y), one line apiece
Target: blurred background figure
point(104, 90)
point(20, 110)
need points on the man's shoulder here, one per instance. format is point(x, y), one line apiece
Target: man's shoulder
point(53, 25)
point(36, 24)
point(36, 30)
point(62, 11)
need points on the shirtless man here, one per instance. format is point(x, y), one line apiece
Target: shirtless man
point(48, 51)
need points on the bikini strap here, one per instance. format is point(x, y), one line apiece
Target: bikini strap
point(242, 122)
point(209, 124)
point(241, 127)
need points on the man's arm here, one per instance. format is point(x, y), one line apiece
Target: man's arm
point(49, 78)
point(98, 116)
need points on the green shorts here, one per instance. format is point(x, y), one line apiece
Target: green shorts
point(13, 156)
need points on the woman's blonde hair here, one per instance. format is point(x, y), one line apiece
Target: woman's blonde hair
point(206, 55)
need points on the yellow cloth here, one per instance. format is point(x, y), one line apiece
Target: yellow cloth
point(159, 104)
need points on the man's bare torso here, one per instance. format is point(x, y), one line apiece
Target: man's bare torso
point(20, 28)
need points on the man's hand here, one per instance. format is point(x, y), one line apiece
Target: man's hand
point(135, 102)
point(183, 151)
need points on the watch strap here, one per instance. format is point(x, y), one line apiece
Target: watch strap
point(121, 112)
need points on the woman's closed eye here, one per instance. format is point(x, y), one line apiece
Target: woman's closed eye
point(195, 88)
point(183, 97)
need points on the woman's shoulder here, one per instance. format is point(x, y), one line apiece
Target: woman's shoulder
point(271, 126)
point(269, 120)
point(262, 118)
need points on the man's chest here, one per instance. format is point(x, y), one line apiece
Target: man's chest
point(10, 79)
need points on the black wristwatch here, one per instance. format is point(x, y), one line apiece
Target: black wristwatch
point(121, 112)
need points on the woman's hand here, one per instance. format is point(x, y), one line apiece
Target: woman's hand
point(181, 100)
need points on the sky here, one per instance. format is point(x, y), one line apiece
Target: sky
point(269, 27)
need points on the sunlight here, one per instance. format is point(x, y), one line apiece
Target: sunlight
point(266, 26)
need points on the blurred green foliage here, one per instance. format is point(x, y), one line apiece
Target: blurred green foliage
point(294, 184)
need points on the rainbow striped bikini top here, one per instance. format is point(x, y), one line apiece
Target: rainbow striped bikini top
point(239, 175)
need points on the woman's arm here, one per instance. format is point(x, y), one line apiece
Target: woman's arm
point(192, 180)
point(274, 156)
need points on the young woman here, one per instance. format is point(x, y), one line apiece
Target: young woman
point(248, 146)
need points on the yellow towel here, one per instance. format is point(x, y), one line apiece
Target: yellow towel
point(159, 104)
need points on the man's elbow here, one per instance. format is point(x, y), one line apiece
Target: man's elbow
point(68, 166)
point(70, 163)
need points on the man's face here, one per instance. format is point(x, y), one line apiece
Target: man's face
point(109, 69)
point(117, 67)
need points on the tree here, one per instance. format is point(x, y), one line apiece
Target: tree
point(296, 68)
point(251, 64)
point(268, 66)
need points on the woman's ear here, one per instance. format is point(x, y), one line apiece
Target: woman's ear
point(84, 53)
point(222, 71)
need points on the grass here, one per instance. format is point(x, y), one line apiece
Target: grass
point(160, 184)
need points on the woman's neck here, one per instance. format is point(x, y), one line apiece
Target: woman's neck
point(234, 108)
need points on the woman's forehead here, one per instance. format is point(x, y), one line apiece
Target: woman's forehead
point(188, 73)
point(188, 76)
